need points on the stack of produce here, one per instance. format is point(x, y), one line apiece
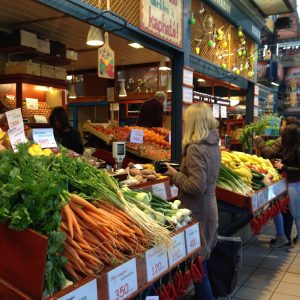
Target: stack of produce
point(255, 171)
point(36, 190)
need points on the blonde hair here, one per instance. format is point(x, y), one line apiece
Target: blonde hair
point(198, 119)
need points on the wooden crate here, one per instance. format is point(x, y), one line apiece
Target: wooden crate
point(90, 128)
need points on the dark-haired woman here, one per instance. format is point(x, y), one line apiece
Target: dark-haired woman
point(64, 133)
point(290, 146)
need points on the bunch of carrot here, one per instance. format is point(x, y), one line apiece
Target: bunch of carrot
point(98, 234)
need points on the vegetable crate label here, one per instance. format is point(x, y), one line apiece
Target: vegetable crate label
point(192, 237)
point(160, 190)
point(122, 281)
point(178, 251)
point(156, 262)
point(14, 117)
point(137, 136)
point(85, 292)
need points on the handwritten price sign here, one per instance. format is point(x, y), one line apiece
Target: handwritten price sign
point(192, 236)
point(122, 281)
point(44, 137)
point(156, 262)
point(87, 291)
point(14, 117)
point(178, 250)
point(159, 190)
point(17, 136)
point(137, 136)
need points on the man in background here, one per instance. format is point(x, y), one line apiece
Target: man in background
point(151, 112)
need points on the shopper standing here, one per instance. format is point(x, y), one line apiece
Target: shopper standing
point(196, 181)
point(290, 146)
point(64, 133)
point(152, 110)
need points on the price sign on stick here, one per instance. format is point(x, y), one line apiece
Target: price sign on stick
point(122, 281)
point(44, 137)
point(87, 291)
point(177, 251)
point(156, 262)
point(192, 237)
point(137, 136)
point(17, 136)
point(14, 117)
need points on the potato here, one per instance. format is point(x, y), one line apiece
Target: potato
point(151, 177)
point(134, 172)
point(146, 172)
point(130, 165)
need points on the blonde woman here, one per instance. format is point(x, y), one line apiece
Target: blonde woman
point(197, 178)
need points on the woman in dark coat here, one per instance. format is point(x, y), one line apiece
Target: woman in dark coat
point(64, 133)
point(201, 160)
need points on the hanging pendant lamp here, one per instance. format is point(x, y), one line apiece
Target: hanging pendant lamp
point(95, 37)
point(123, 92)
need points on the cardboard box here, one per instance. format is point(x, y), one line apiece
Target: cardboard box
point(60, 73)
point(71, 54)
point(22, 67)
point(47, 71)
point(43, 46)
point(28, 39)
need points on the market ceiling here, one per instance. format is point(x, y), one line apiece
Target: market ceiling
point(54, 25)
point(274, 7)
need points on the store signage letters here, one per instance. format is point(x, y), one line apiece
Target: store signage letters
point(163, 19)
point(156, 262)
point(122, 281)
point(178, 250)
point(192, 236)
point(87, 291)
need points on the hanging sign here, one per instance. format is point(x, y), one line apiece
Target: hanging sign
point(187, 94)
point(87, 291)
point(106, 60)
point(44, 137)
point(122, 281)
point(14, 117)
point(188, 77)
point(162, 19)
point(156, 262)
point(17, 136)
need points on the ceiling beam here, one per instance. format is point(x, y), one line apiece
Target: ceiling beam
point(39, 20)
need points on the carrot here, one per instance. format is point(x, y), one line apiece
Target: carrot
point(75, 222)
point(74, 256)
point(69, 267)
point(83, 215)
point(88, 257)
point(69, 219)
point(82, 202)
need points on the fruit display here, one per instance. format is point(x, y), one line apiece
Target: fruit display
point(256, 172)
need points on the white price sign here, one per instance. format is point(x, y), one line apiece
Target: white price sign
point(177, 252)
point(152, 298)
point(32, 103)
point(223, 111)
point(156, 262)
point(137, 136)
point(159, 190)
point(44, 137)
point(14, 117)
point(122, 281)
point(216, 110)
point(17, 136)
point(87, 291)
point(254, 202)
point(174, 190)
point(192, 237)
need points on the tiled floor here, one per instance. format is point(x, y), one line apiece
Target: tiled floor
point(268, 273)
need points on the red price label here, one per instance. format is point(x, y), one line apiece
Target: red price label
point(122, 291)
point(156, 269)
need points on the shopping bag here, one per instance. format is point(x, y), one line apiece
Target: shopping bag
point(223, 265)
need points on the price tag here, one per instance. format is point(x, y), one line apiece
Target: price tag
point(254, 201)
point(156, 262)
point(216, 110)
point(159, 190)
point(271, 193)
point(192, 237)
point(174, 190)
point(44, 137)
point(152, 298)
point(87, 291)
point(40, 119)
point(17, 136)
point(137, 136)
point(223, 111)
point(14, 117)
point(177, 251)
point(138, 166)
point(122, 281)
point(32, 103)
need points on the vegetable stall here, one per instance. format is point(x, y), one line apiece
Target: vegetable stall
point(80, 225)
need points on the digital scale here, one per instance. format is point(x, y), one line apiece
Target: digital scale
point(118, 153)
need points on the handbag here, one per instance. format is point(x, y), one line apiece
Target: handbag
point(223, 265)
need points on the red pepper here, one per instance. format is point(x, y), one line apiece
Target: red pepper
point(199, 264)
point(187, 279)
point(166, 292)
point(195, 274)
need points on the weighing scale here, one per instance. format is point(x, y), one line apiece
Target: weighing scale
point(118, 152)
